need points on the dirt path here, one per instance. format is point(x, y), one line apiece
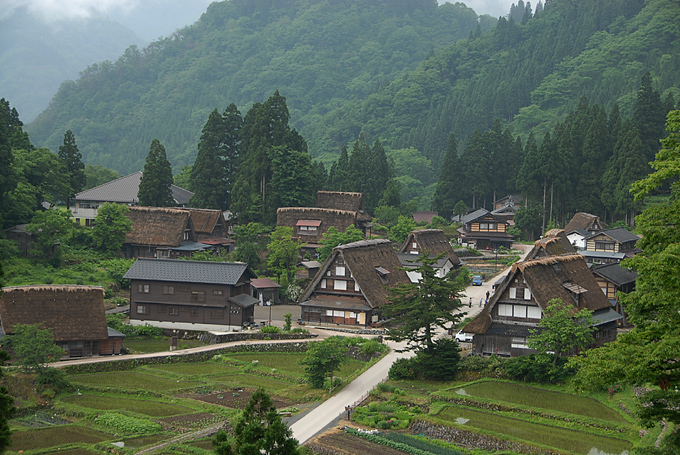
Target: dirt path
point(184, 437)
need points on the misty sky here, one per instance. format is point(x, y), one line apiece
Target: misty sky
point(172, 14)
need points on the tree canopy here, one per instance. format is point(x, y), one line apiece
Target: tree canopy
point(154, 189)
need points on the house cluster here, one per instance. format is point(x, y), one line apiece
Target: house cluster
point(562, 265)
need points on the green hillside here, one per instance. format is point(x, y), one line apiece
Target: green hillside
point(528, 75)
point(318, 53)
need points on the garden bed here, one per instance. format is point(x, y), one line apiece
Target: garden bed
point(132, 381)
point(235, 399)
point(108, 403)
point(55, 436)
point(340, 443)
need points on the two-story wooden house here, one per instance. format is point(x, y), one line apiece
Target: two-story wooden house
point(191, 295)
point(613, 278)
point(483, 230)
point(352, 284)
point(74, 314)
point(430, 241)
point(519, 303)
point(609, 246)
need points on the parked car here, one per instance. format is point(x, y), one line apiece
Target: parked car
point(463, 337)
point(477, 280)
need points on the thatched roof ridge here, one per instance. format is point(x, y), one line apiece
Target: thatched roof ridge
point(72, 312)
point(583, 220)
point(162, 226)
point(553, 245)
point(433, 241)
point(342, 200)
point(480, 323)
point(362, 258)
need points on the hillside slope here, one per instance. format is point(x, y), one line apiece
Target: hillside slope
point(318, 53)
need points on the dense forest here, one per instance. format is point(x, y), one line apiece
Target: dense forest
point(318, 54)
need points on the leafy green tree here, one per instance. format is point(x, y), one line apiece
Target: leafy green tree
point(34, 346)
point(73, 165)
point(386, 215)
point(417, 309)
point(282, 254)
point(249, 243)
point(110, 227)
point(400, 231)
point(332, 238)
point(154, 189)
point(49, 231)
point(528, 221)
point(460, 209)
point(323, 359)
point(259, 430)
point(563, 330)
point(96, 175)
point(183, 178)
point(7, 408)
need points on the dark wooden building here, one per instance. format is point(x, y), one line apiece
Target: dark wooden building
point(211, 228)
point(431, 241)
point(483, 230)
point(555, 243)
point(504, 324)
point(352, 284)
point(583, 221)
point(191, 295)
point(613, 278)
point(74, 314)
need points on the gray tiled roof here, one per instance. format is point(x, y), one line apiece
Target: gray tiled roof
point(602, 254)
point(178, 270)
point(474, 215)
point(616, 274)
point(124, 190)
point(621, 235)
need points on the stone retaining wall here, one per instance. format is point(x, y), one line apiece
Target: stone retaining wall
point(473, 440)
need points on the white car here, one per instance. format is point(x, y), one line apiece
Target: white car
point(463, 337)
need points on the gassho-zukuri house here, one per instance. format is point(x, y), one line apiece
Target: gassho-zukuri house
point(503, 326)
point(352, 284)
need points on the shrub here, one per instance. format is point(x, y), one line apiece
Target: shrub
point(127, 425)
point(270, 329)
point(57, 379)
point(440, 362)
point(403, 369)
point(473, 363)
point(370, 347)
point(537, 368)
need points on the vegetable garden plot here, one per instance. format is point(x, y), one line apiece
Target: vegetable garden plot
point(128, 380)
point(194, 369)
point(246, 380)
point(146, 407)
point(55, 436)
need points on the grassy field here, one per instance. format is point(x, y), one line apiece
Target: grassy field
point(541, 398)
point(194, 369)
point(132, 381)
point(247, 380)
point(55, 436)
point(146, 407)
point(560, 438)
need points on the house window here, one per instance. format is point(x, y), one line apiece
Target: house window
point(604, 246)
point(604, 290)
point(187, 233)
point(323, 284)
point(504, 309)
point(356, 287)
point(527, 294)
point(519, 311)
point(197, 296)
point(142, 309)
point(519, 342)
point(533, 312)
point(217, 314)
point(143, 288)
point(340, 285)
point(218, 292)
point(339, 271)
point(173, 311)
point(307, 230)
point(168, 290)
point(513, 293)
point(164, 253)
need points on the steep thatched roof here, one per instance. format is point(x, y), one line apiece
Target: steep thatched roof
point(343, 200)
point(549, 278)
point(159, 226)
point(554, 243)
point(585, 221)
point(73, 313)
point(341, 219)
point(205, 220)
point(432, 240)
point(362, 258)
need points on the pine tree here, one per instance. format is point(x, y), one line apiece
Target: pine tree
point(649, 117)
point(154, 189)
point(449, 189)
point(72, 160)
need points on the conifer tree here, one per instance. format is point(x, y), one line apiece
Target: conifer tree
point(649, 117)
point(154, 189)
point(448, 190)
point(73, 165)
point(208, 177)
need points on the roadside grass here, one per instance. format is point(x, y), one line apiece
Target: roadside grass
point(246, 380)
point(193, 369)
point(56, 436)
point(551, 436)
point(161, 344)
point(146, 407)
point(133, 381)
point(540, 398)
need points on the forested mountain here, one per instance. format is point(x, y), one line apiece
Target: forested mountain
point(527, 74)
point(36, 57)
point(318, 53)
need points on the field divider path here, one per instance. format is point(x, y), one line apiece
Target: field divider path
point(183, 437)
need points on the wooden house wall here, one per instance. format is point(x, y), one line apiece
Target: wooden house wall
point(475, 226)
point(328, 285)
point(607, 287)
point(112, 346)
point(325, 316)
point(596, 244)
point(184, 305)
point(500, 345)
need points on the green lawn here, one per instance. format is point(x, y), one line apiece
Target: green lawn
point(194, 368)
point(146, 345)
point(127, 380)
point(559, 438)
point(146, 407)
point(55, 436)
point(541, 398)
point(246, 380)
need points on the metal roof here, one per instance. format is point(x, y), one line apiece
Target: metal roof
point(602, 254)
point(125, 189)
point(178, 270)
point(244, 300)
point(616, 274)
point(605, 315)
point(621, 235)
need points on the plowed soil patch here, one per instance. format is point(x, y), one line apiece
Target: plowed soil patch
point(341, 442)
point(234, 400)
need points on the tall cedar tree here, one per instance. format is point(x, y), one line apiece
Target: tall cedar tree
point(73, 164)
point(259, 430)
point(417, 309)
point(448, 191)
point(154, 189)
point(649, 117)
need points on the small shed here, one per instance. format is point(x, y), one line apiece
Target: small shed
point(307, 269)
point(114, 344)
point(266, 290)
